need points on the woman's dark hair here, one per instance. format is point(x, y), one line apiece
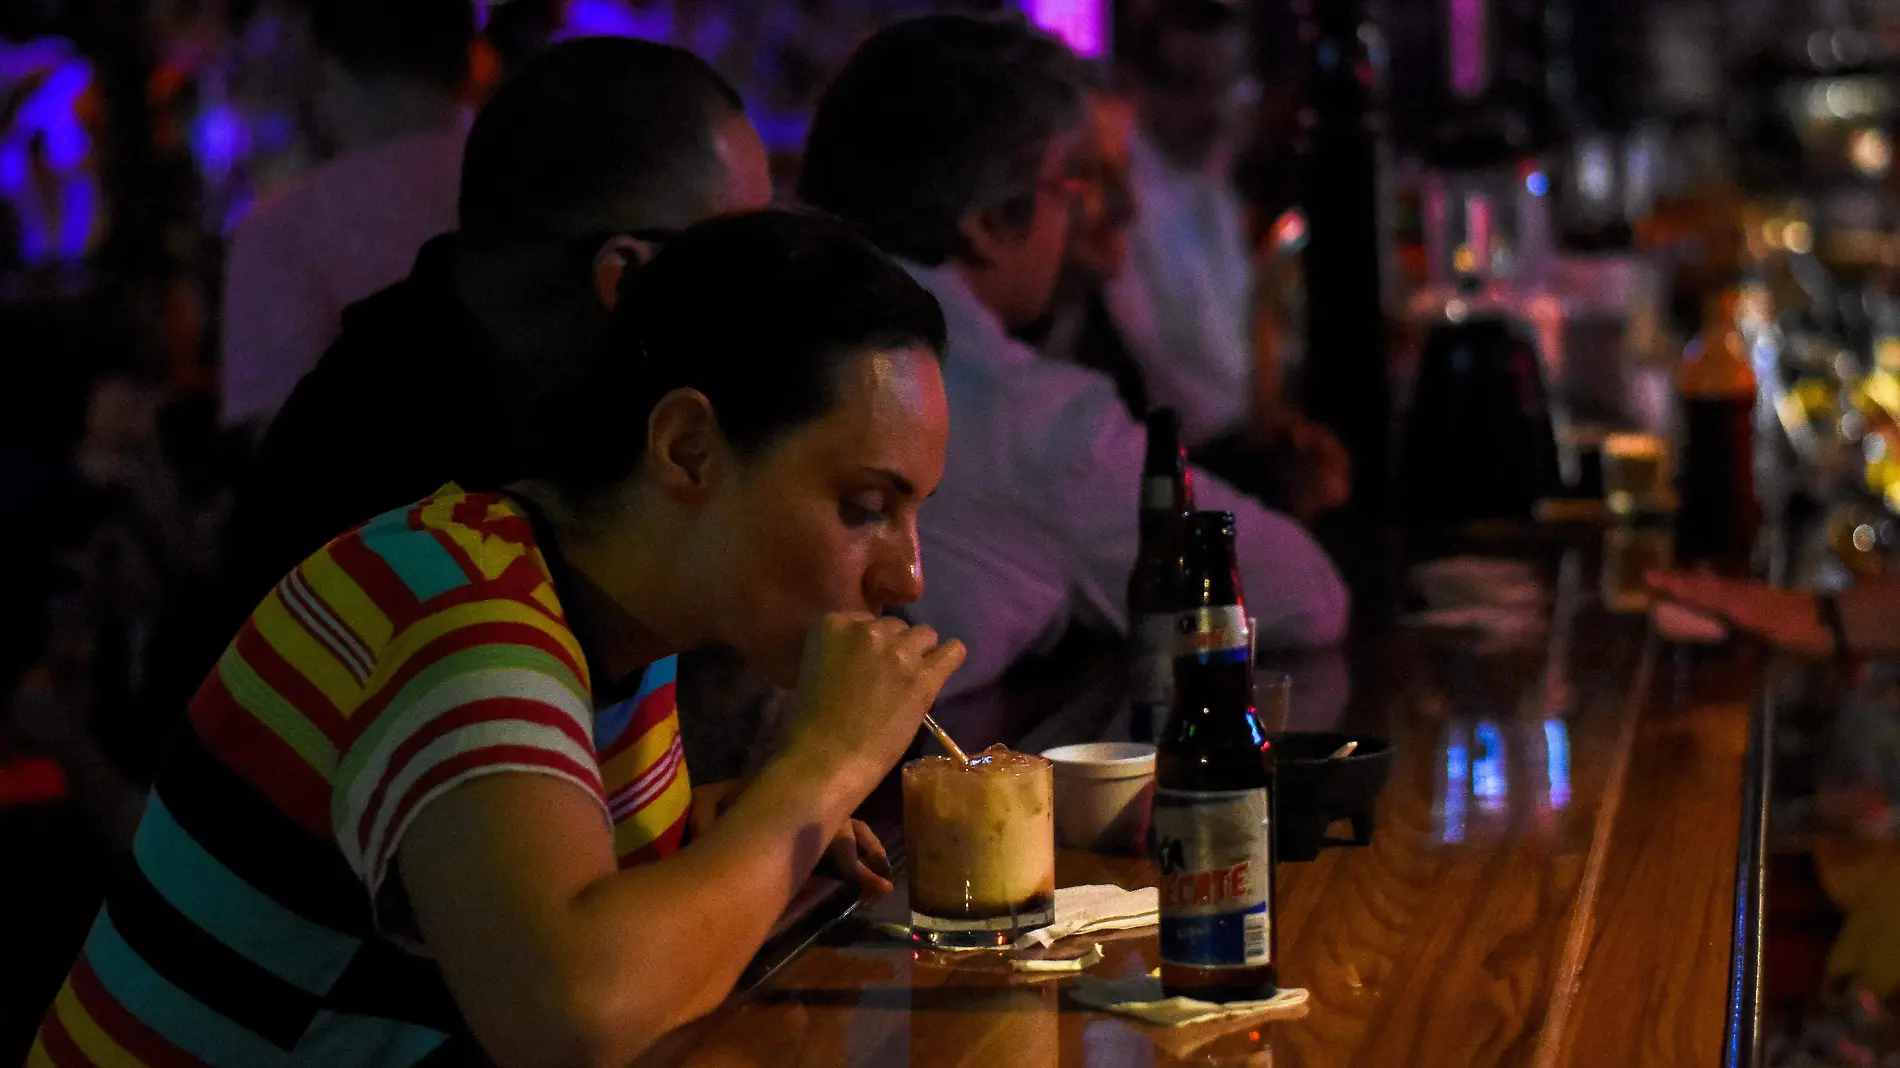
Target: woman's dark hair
point(757, 312)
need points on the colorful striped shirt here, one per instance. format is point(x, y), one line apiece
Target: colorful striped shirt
point(423, 649)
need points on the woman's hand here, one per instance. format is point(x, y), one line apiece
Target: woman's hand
point(861, 859)
point(710, 801)
point(863, 689)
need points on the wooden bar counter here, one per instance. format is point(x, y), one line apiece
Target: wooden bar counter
point(1552, 881)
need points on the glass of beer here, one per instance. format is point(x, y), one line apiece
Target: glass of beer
point(981, 847)
point(1631, 552)
point(1634, 480)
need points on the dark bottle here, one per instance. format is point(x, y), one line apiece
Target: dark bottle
point(1719, 516)
point(1479, 438)
point(1347, 388)
point(1154, 586)
point(1212, 834)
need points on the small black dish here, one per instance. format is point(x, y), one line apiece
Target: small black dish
point(1313, 791)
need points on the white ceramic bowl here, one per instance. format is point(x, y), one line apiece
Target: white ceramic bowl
point(1102, 794)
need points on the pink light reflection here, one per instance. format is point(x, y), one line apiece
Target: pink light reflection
point(1082, 24)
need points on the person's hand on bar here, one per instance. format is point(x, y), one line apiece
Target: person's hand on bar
point(1318, 469)
point(1790, 620)
point(551, 951)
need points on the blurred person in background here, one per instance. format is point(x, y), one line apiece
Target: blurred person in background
point(583, 162)
point(1185, 300)
point(388, 100)
point(954, 143)
point(426, 383)
point(396, 829)
point(1078, 328)
point(1185, 303)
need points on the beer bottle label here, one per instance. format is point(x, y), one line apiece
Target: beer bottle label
point(1153, 670)
point(1157, 494)
point(1215, 857)
point(1214, 634)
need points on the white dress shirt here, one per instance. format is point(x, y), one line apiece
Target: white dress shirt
point(339, 233)
point(1184, 300)
point(1037, 519)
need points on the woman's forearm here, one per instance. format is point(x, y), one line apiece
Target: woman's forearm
point(722, 895)
point(555, 957)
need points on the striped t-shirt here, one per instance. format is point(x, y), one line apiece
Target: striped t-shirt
point(259, 925)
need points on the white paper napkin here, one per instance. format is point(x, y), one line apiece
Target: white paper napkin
point(1088, 909)
point(1065, 966)
point(1142, 998)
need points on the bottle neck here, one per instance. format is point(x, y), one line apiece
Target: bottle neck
point(1160, 530)
point(1720, 371)
point(1212, 588)
point(1165, 493)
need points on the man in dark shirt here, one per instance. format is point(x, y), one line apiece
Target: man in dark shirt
point(581, 163)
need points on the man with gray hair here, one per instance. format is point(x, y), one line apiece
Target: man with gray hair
point(953, 142)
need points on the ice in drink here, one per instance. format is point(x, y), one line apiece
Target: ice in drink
point(981, 848)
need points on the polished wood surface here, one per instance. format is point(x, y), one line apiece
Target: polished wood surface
point(1550, 882)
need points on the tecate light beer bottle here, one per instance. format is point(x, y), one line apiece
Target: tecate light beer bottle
point(1154, 587)
point(1214, 792)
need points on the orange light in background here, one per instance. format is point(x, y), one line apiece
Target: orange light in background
point(1798, 237)
point(1870, 152)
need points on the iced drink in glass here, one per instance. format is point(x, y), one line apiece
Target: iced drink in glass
point(981, 847)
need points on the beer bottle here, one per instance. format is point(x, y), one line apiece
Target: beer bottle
point(1212, 835)
point(1719, 516)
point(1154, 586)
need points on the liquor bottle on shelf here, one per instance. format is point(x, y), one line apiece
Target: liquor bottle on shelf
point(1718, 517)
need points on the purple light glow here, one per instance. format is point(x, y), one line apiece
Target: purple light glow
point(219, 140)
point(1468, 73)
point(614, 18)
point(1082, 24)
point(46, 164)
